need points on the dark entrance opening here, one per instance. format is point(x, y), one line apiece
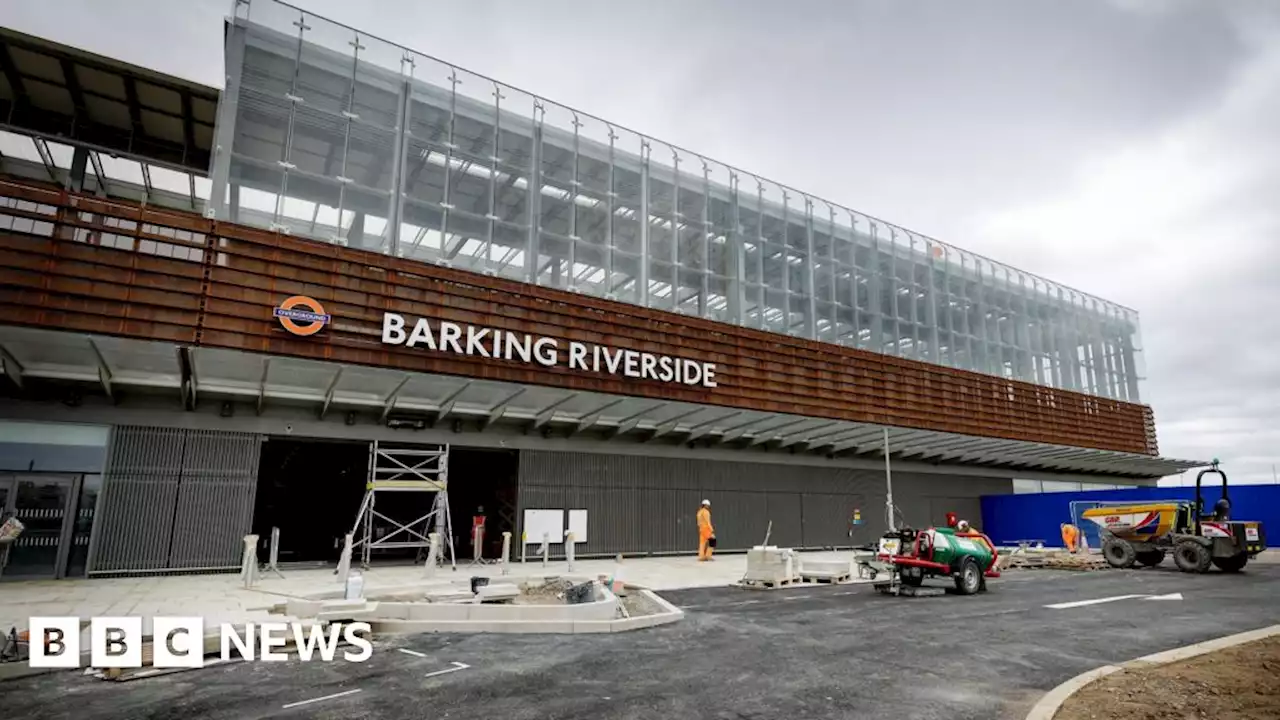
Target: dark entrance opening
point(482, 483)
point(311, 490)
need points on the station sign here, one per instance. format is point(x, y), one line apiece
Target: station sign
point(444, 336)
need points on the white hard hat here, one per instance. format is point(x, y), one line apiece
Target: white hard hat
point(706, 502)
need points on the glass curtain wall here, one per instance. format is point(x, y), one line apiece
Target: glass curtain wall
point(329, 133)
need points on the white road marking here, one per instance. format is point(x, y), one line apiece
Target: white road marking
point(797, 597)
point(456, 667)
point(414, 653)
point(1171, 596)
point(1082, 603)
point(319, 699)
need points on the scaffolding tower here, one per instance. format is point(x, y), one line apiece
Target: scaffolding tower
point(401, 469)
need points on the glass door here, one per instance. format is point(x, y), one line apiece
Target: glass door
point(42, 504)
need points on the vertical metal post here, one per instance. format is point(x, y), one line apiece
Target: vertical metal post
point(706, 240)
point(446, 203)
point(736, 253)
point(612, 195)
point(875, 292)
point(506, 552)
point(532, 253)
point(392, 232)
point(574, 185)
point(786, 263)
point(855, 279)
point(225, 127)
point(931, 310)
point(568, 548)
point(79, 164)
point(811, 305)
point(762, 303)
point(642, 297)
point(833, 288)
point(675, 231)
point(888, 481)
point(492, 215)
point(545, 549)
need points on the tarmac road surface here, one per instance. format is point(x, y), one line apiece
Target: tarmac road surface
point(798, 654)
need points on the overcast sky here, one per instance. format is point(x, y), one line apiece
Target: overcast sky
point(1129, 148)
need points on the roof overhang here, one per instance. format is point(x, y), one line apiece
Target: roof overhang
point(58, 92)
point(192, 375)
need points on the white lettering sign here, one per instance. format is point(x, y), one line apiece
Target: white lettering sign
point(117, 642)
point(506, 345)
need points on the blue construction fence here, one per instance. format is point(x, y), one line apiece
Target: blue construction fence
point(1010, 519)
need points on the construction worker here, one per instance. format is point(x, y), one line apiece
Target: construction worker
point(706, 532)
point(1070, 535)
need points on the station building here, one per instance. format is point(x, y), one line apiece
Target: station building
point(218, 304)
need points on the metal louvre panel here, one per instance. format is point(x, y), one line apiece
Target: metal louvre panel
point(648, 505)
point(215, 499)
point(174, 499)
point(139, 490)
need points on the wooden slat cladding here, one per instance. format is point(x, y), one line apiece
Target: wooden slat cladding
point(98, 266)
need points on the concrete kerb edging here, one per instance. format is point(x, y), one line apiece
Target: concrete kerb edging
point(1049, 705)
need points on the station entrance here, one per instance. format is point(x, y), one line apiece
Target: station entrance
point(483, 485)
point(311, 489)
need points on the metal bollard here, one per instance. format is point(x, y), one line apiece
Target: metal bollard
point(344, 561)
point(568, 548)
point(506, 552)
point(273, 563)
point(433, 553)
point(477, 546)
point(249, 563)
point(524, 543)
point(545, 549)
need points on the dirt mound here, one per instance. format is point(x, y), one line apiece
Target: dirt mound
point(1240, 683)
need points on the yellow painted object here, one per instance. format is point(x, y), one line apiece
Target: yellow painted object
point(1139, 521)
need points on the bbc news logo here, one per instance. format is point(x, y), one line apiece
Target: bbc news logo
point(179, 642)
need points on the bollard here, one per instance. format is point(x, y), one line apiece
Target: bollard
point(524, 543)
point(249, 564)
point(273, 564)
point(506, 552)
point(545, 549)
point(568, 548)
point(615, 582)
point(433, 553)
point(344, 561)
point(477, 546)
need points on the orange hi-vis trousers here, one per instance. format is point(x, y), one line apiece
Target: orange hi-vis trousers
point(705, 533)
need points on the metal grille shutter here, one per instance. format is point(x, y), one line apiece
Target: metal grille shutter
point(174, 500)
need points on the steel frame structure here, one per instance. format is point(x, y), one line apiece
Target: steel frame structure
point(398, 469)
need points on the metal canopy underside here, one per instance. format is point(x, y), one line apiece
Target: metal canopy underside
point(58, 92)
point(212, 375)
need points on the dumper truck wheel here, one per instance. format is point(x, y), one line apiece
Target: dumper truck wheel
point(1150, 558)
point(1119, 553)
point(1232, 564)
point(969, 581)
point(1192, 557)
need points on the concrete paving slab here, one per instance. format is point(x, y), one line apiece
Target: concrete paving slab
point(224, 596)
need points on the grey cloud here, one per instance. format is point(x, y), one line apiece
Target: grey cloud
point(1126, 147)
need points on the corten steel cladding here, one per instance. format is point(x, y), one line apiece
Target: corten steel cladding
point(89, 265)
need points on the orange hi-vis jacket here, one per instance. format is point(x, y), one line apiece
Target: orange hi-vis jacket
point(704, 523)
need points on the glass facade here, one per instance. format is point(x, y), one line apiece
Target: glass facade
point(329, 133)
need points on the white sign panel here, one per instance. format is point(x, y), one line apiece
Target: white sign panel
point(538, 522)
point(546, 351)
point(578, 525)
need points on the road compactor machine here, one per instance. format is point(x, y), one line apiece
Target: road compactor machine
point(1142, 533)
